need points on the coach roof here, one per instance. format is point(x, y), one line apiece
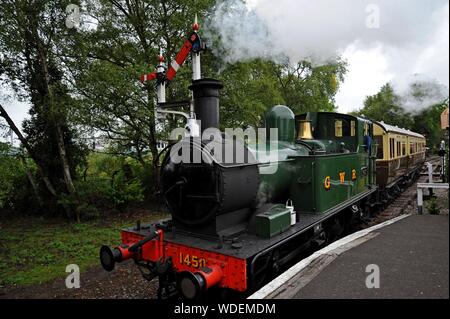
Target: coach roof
point(396, 129)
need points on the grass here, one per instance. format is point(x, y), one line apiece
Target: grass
point(34, 250)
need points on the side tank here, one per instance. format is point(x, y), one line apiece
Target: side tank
point(277, 158)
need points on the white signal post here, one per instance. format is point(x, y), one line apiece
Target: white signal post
point(196, 66)
point(162, 74)
point(161, 86)
point(192, 124)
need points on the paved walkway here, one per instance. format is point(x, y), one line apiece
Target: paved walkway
point(413, 259)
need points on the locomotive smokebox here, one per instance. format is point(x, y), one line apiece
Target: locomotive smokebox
point(206, 102)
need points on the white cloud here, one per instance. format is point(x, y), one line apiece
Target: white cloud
point(368, 72)
point(424, 60)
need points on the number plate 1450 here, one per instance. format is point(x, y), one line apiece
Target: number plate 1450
point(192, 261)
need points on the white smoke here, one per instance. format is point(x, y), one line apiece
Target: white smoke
point(243, 35)
point(318, 29)
point(409, 37)
point(421, 93)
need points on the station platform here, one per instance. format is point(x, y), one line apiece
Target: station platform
point(411, 253)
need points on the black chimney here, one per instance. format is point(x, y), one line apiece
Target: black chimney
point(206, 102)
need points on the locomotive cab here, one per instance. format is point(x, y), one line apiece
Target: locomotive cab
point(329, 132)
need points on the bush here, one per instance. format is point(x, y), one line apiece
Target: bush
point(13, 179)
point(85, 202)
point(433, 207)
point(125, 190)
point(107, 182)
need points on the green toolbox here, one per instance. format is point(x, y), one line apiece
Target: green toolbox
point(272, 222)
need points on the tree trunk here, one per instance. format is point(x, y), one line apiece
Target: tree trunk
point(27, 146)
point(32, 182)
point(65, 163)
point(59, 134)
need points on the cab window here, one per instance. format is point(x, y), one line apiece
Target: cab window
point(344, 128)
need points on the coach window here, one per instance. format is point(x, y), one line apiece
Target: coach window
point(391, 147)
point(398, 149)
point(403, 148)
point(411, 148)
point(379, 142)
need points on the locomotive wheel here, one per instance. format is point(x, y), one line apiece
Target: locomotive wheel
point(334, 230)
point(351, 220)
point(275, 263)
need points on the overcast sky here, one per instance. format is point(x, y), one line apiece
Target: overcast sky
point(391, 42)
point(371, 67)
point(383, 41)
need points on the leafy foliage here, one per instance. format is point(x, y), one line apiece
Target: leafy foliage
point(108, 182)
point(30, 33)
point(11, 175)
point(433, 207)
point(250, 88)
point(124, 45)
point(385, 106)
point(428, 123)
point(309, 88)
point(85, 81)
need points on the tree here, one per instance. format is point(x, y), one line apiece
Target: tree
point(425, 99)
point(250, 89)
point(430, 98)
point(386, 106)
point(309, 88)
point(105, 64)
point(125, 44)
point(30, 32)
point(427, 122)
